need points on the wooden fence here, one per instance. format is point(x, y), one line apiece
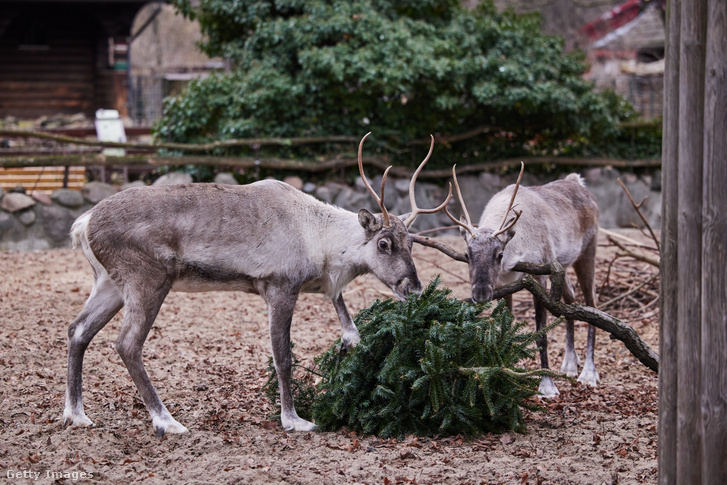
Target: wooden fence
point(144, 155)
point(43, 179)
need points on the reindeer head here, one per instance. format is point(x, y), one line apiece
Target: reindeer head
point(389, 244)
point(485, 248)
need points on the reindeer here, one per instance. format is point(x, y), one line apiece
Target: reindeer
point(556, 221)
point(265, 238)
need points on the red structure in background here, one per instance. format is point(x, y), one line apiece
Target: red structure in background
point(618, 17)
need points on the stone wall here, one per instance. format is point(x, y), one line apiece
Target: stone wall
point(44, 222)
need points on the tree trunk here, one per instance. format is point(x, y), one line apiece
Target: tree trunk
point(693, 377)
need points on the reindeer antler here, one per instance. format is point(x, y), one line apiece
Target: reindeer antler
point(468, 224)
point(510, 207)
point(379, 200)
point(415, 211)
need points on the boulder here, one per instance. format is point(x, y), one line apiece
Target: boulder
point(294, 181)
point(225, 178)
point(13, 202)
point(134, 184)
point(6, 222)
point(95, 192)
point(57, 222)
point(43, 198)
point(67, 198)
point(27, 217)
point(174, 178)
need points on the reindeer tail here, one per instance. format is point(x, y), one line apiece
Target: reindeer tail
point(576, 178)
point(79, 231)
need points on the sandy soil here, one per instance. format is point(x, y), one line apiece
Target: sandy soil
point(207, 354)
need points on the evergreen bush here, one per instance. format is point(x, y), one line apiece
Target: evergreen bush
point(402, 69)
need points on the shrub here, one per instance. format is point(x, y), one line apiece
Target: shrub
point(403, 69)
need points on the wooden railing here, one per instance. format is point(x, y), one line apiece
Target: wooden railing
point(143, 155)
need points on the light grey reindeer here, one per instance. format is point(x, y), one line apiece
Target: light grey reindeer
point(557, 221)
point(265, 238)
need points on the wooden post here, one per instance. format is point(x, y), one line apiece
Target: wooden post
point(669, 200)
point(714, 249)
point(693, 334)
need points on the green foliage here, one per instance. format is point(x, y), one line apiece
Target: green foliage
point(402, 69)
point(430, 365)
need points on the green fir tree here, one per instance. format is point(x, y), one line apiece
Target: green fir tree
point(430, 365)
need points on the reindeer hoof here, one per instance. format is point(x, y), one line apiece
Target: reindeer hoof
point(570, 367)
point(589, 376)
point(299, 425)
point(72, 420)
point(164, 425)
point(547, 388)
point(349, 341)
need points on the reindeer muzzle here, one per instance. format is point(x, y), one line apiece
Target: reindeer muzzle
point(406, 286)
point(481, 292)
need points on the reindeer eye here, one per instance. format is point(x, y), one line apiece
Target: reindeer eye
point(499, 257)
point(384, 244)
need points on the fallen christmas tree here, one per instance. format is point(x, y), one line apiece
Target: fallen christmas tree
point(430, 365)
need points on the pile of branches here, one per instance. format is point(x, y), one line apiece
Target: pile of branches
point(631, 283)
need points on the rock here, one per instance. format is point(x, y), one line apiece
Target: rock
point(67, 198)
point(592, 175)
point(42, 198)
point(294, 181)
point(57, 223)
point(95, 192)
point(327, 193)
point(134, 184)
point(401, 186)
point(6, 221)
point(655, 182)
point(27, 217)
point(13, 202)
point(353, 200)
point(174, 178)
point(226, 178)
point(309, 187)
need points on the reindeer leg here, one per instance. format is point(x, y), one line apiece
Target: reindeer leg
point(585, 269)
point(570, 360)
point(142, 303)
point(547, 387)
point(350, 337)
point(103, 303)
point(281, 304)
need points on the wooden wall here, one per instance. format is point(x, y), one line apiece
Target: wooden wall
point(48, 63)
point(55, 56)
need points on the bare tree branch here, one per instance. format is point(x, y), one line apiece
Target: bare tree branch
point(638, 256)
point(638, 211)
point(433, 243)
point(595, 317)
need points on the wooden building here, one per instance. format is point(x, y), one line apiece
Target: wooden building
point(66, 56)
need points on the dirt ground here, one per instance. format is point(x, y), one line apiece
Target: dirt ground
point(207, 355)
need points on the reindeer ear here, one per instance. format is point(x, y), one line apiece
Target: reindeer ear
point(369, 221)
point(464, 232)
point(506, 236)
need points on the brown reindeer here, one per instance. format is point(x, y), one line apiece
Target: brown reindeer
point(541, 224)
point(265, 238)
